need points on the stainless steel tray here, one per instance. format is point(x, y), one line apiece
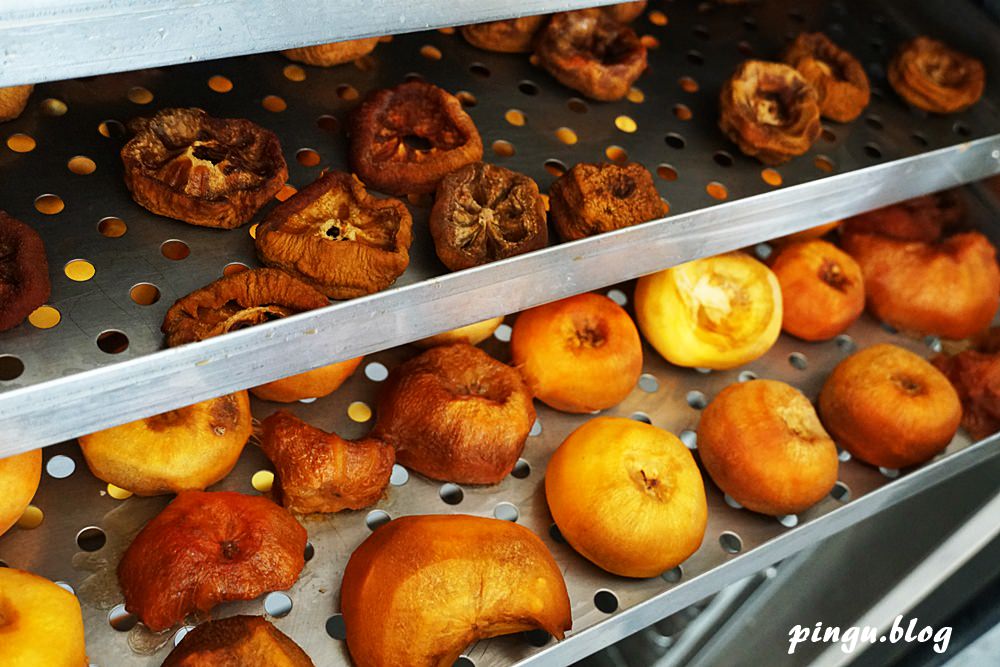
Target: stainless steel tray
point(85, 530)
point(68, 386)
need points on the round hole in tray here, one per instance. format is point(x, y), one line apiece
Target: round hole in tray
point(675, 140)
point(606, 601)
point(31, 518)
point(891, 473)
point(49, 204)
point(717, 190)
point(53, 107)
point(840, 492)
point(618, 297)
point(111, 129)
point(221, 84)
point(701, 32)
point(723, 158)
point(61, 584)
point(262, 480)
point(274, 103)
point(336, 628)
point(399, 476)
point(112, 341)
point(307, 157)
point(555, 167)
point(789, 520)
point(292, 73)
point(91, 538)
point(666, 172)
point(695, 57)
point(174, 249)
point(277, 604)
point(746, 376)
point(377, 518)
point(139, 95)
point(745, 48)
point(416, 76)
point(689, 438)
point(536, 428)
point(696, 399)
point(466, 98)
point(933, 343)
point(828, 135)
point(798, 361)
point(616, 154)
point(515, 117)
point(730, 542)
point(528, 87)
point(537, 637)
point(641, 417)
point(81, 165)
point(506, 512)
point(771, 177)
point(873, 151)
point(144, 294)
point(328, 123)
point(648, 383)
point(729, 500)
point(650, 42)
point(117, 492)
point(919, 139)
point(873, 121)
point(20, 143)
point(44, 317)
point(961, 129)
point(120, 619)
point(182, 633)
point(502, 333)
point(60, 466)
point(79, 270)
point(430, 52)
point(376, 372)
point(682, 112)
point(112, 227)
point(626, 124)
point(233, 268)
point(845, 343)
point(11, 367)
point(763, 251)
point(463, 661)
point(451, 494)
point(576, 105)
point(503, 148)
point(480, 70)
point(750, 23)
point(359, 411)
point(824, 164)
point(656, 17)
point(843, 456)
point(688, 84)
point(521, 469)
point(556, 534)
point(673, 575)
point(566, 135)
point(635, 95)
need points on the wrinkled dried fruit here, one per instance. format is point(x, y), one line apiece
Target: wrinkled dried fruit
point(770, 111)
point(13, 99)
point(596, 198)
point(237, 641)
point(924, 218)
point(975, 375)
point(483, 213)
point(24, 271)
point(420, 589)
point(591, 53)
point(236, 302)
point(405, 139)
point(321, 472)
point(934, 77)
point(205, 548)
point(838, 77)
point(334, 235)
point(507, 36)
point(454, 413)
point(334, 53)
point(212, 172)
point(625, 12)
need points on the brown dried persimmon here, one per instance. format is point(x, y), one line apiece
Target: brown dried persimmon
point(316, 471)
point(596, 198)
point(336, 236)
point(483, 213)
point(506, 36)
point(13, 99)
point(455, 413)
point(205, 548)
point(934, 77)
point(236, 302)
point(975, 375)
point(770, 111)
point(405, 139)
point(625, 12)
point(211, 172)
point(924, 218)
point(589, 52)
point(246, 641)
point(333, 53)
point(24, 271)
point(838, 77)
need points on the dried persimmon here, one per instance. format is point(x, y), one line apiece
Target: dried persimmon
point(934, 77)
point(838, 77)
point(24, 271)
point(333, 53)
point(506, 36)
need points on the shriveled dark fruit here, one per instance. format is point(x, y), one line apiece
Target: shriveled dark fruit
point(934, 77)
point(236, 302)
point(212, 172)
point(454, 413)
point(334, 235)
point(405, 139)
point(589, 52)
point(770, 111)
point(975, 375)
point(625, 12)
point(205, 548)
point(924, 218)
point(237, 641)
point(334, 53)
point(13, 99)
point(838, 77)
point(483, 213)
point(596, 198)
point(24, 271)
point(506, 36)
point(318, 471)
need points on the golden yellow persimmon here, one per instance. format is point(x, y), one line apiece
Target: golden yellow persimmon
point(40, 623)
point(316, 383)
point(19, 477)
point(473, 334)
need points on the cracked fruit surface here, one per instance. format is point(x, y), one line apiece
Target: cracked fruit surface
point(456, 414)
point(336, 236)
point(316, 471)
point(627, 496)
point(212, 172)
point(770, 111)
point(316, 383)
point(718, 312)
point(763, 444)
point(236, 302)
point(186, 449)
point(507, 36)
point(237, 641)
point(838, 77)
point(205, 548)
point(889, 407)
point(405, 139)
point(332, 53)
point(19, 477)
point(822, 289)
point(588, 51)
point(934, 77)
point(24, 271)
point(579, 354)
point(483, 213)
point(421, 589)
point(40, 623)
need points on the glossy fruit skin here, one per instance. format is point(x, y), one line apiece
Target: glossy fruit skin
point(205, 548)
point(763, 444)
point(19, 478)
point(822, 289)
point(316, 383)
point(627, 496)
point(473, 334)
point(40, 623)
point(579, 354)
point(889, 407)
point(718, 312)
point(420, 589)
point(237, 641)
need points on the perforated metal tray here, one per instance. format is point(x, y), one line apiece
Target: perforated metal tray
point(85, 530)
